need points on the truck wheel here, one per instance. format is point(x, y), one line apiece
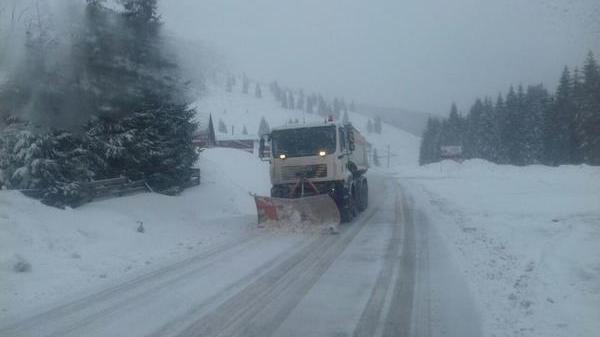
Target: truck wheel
point(347, 207)
point(365, 195)
point(277, 192)
point(362, 195)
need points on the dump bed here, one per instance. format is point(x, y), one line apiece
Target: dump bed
point(360, 155)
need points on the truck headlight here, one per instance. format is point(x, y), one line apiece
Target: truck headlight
point(322, 153)
point(282, 156)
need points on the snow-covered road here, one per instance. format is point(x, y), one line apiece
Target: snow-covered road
point(383, 275)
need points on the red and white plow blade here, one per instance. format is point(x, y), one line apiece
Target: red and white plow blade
point(307, 213)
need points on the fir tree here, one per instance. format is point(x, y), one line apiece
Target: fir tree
point(452, 132)
point(377, 125)
point(263, 127)
point(345, 118)
point(310, 104)
point(490, 133)
point(352, 107)
point(473, 138)
point(229, 84)
point(322, 108)
point(300, 101)
point(245, 84)
point(369, 126)
point(284, 100)
point(559, 133)
point(291, 102)
point(588, 121)
point(257, 91)
point(429, 151)
point(537, 102)
point(222, 126)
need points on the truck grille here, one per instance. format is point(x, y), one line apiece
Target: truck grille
point(307, 171)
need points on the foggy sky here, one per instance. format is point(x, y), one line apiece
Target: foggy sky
point(418, 54)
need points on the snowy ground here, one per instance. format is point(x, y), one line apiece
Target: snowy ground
point(526, 239)
point(97, 245)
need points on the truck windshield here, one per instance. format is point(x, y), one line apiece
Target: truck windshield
point(303, 142)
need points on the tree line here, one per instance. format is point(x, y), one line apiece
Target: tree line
point(310, 103)
point(528, 125)
point(115, 106)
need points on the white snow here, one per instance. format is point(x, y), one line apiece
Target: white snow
point(526, 239)
point(75, 249)
point(238, 110)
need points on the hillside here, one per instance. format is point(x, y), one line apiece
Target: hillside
point(238, 110)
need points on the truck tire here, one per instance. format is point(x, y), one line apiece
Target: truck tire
point(346, 206)
point(277, 192)
point(364, 195)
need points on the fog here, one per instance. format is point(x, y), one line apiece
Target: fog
point(418, 55)
point(414, 55)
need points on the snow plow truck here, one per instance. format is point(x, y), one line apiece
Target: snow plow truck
point(318, 176)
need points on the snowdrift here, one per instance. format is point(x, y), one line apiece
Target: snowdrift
point(73, 249)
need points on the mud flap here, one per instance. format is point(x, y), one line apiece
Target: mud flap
point(308, 213)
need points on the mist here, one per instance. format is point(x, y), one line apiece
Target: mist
point(418, 55)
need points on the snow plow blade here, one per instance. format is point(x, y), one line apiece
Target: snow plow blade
point(302, 214)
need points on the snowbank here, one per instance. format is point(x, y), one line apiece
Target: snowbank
point(526, 239)
point(75, 249)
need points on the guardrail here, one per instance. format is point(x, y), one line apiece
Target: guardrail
point(115, 187)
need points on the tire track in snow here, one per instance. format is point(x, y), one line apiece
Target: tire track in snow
point(371, 318)
point(261, 307)
point(399, 318)
point(89, 308)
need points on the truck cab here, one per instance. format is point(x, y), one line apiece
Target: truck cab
point(319, 158)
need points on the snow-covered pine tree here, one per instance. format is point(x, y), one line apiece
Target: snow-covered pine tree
point(310, 104)
point(345, 118)
point(322, 108)
point(429, 151)
point(337, 108)
point(300, 101)
point(161, 117)
point(222, 126)
point(257, 91)
point(377, 125)
point(352, 107)
point(229, 84)
point(369, 126)
point(284, 100)
point(490, 132)
point(560, 122)
point(244, 130)
point(263, 127)
point(503, 129)
point(588, 122)
point(291, 102)
point(536, 103)
point(276, 91)
point(472, 139)
point(245, 84)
